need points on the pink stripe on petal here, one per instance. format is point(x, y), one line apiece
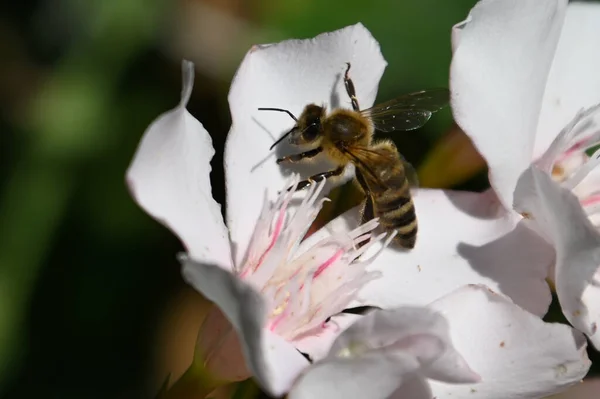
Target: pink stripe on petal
point(276, 233)
point(591, 200)
point(577, 147)
point(276, 321)
point(329, 262)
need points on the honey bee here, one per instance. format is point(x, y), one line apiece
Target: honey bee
point(346, 137)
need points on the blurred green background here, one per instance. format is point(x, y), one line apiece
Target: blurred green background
point(91, 300)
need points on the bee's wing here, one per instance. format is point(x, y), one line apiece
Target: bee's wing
point(407, 112)
point(364, 157)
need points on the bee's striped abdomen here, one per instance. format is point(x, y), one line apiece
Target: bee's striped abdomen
point(396, 211)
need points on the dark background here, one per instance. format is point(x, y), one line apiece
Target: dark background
point(91, 300)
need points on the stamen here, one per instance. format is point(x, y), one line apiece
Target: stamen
point(330, 261)
point(576, 178)
point(580, 146)
point(568, 163)
point(306, 298)
point(365, 228)
point(244, 267)
point(563, 140)
point(285, 231)
point(385, 244)
point(560, 142)
point(304, 290)
point(297, 307)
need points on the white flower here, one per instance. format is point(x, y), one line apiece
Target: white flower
point(282, 294)
point(521, 71)
point(422, 346)
point(279, 293)
point(276, 291)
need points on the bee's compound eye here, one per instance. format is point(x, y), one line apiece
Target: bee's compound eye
point(311, 132)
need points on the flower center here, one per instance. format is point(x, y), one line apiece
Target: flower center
point(573, 157)
point(306, 284)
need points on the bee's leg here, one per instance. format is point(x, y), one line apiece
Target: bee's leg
point(367, 211)
point(315, 178)
point(350, 89)
point(303, 155)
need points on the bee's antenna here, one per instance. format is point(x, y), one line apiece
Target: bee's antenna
point(280, 110)
point(281, 138)
point(288, 133)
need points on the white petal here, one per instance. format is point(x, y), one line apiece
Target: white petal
point(517, 354)
point(529, 203)
point(317, 346)
point(587, 389)
point(383, 353)
point(372, 376)
point(577, 244)
point(463, 239)
point(169, 179)
point(456, 33)
point(289, 75)
point(274, 362)
point(451, 367)
point(574, 81)
point(415, 388)
point(417, 331)
point(497, 77)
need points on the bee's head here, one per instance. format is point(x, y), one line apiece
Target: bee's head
point(308, 128)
